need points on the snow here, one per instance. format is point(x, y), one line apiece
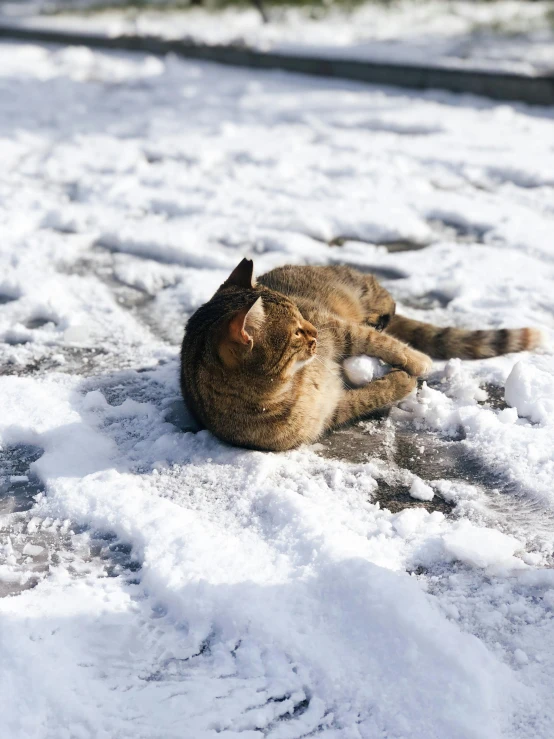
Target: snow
point(530, 389)
point(420, 490)
point(480, 547)
point(505, 35)
point(157, 581)
point(363, 369)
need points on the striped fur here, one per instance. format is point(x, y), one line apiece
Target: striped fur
point(446, 343)
point(261, 362)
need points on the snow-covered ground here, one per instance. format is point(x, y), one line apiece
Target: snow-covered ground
point(188, 589)
point(504, 35)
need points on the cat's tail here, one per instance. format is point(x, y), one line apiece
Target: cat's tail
point(446, 343)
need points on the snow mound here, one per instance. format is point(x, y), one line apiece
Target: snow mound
point(482, 547)
point(420, 490)
point(530, 389)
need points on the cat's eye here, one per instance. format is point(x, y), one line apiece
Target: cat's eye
point(383, 322)
point(298, 332)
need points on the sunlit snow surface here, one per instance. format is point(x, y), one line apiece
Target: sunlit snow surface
point(160, 584)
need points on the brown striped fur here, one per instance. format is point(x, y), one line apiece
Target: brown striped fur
point(261, 362)
point(445, 343)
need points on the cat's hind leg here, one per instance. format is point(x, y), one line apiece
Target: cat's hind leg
point(355, 404)
point(378, 305)
point(358, 296)
point(396, 353)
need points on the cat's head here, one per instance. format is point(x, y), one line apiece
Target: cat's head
point(268, 333)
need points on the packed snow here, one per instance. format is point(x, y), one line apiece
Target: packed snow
point(502, 35)
point(530, 389)
point(363, 369)
point(159, 583)
point(420, 490)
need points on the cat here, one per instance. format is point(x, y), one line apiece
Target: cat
point(261, 361)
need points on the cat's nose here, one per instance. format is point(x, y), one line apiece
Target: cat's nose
point(312, 345)
point(311, 331)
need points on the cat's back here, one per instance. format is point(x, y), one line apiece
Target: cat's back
point(333, 289)
point(197, 373)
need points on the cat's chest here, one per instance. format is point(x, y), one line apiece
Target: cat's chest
point(319, 393)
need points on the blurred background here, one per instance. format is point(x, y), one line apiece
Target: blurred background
point(498, 35)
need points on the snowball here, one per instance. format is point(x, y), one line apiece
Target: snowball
point(363, 369)
point(482, 547)
point(420, 490)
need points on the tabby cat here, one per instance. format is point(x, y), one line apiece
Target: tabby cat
point(261, 362)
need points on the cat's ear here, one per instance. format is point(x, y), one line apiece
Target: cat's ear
point(242, 275)
point(244, 324)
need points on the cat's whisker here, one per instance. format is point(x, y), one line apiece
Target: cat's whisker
point(324, 363)
point(320, 360)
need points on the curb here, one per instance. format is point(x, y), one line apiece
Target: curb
point(534, 90)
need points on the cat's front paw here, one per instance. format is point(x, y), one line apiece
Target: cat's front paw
point(399, 383)
point(417, 364)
